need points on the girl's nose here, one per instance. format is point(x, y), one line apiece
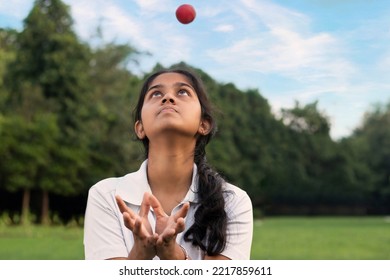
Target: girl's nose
point(171, 100)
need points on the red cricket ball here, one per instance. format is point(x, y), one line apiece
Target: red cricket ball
point(185, 13)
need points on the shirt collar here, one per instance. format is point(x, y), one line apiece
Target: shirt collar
point(133, 186)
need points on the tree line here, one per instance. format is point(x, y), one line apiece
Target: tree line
point(66, 123)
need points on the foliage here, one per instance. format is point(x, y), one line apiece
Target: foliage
point(372, 140)
point(66, 122)
point(114, 90)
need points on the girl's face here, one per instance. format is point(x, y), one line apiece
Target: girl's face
point(170, 105)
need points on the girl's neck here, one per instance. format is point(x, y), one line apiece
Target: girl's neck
point(170, 171)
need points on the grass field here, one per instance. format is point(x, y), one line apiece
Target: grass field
point(41, 243)
point(274, 239)
point(322, 239)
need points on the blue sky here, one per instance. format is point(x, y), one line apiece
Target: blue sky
point(334, 51)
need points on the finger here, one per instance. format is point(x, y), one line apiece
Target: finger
point(121, 204)
point(145, 205)
point(128, 221)
point(156, 205)
point(137, 229)
point(166, 236)
point(124, 208)
point(183, 211)
point(180, 226)
point(152, 240)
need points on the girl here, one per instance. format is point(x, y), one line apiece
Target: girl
point(175, 206)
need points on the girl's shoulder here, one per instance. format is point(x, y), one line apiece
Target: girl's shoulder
point(236, 196)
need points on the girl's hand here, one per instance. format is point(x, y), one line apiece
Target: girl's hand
point(144, 238)
point(167, 228)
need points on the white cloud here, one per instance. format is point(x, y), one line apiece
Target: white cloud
point(281, 42)
point(224, 28)
point(152, 7)
point(212, 10)
point(143, 32)
point(287, 53)
point(116, 23)
point(273, 15)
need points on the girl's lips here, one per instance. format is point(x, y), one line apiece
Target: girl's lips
point(167, 109)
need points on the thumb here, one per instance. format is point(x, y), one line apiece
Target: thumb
point(156, 205)
point(183, 211)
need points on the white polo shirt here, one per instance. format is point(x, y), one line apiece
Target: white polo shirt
point(106, 236)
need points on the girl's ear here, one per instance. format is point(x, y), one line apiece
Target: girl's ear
point(204, 127)
point(139, 130)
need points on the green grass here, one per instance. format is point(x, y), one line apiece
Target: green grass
point(274, 239)
point(343, 238)
point(41, 243)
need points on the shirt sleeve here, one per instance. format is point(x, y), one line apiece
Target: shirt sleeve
point(103, 235)
point(239, 226)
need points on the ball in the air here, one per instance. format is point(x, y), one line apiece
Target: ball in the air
point(185, 13)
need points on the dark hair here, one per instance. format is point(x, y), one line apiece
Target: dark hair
point(210, 220)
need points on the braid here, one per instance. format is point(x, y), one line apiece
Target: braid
point(210, 219)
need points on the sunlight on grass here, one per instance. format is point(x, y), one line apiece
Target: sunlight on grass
point(41, 243)
point(322, 238)
point(283, 238)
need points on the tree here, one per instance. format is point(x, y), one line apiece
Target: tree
point(114, 90)
point(52, 62)
point(7, 55)
point(25, 151)
point(306, 119)
point(326, 171)
point(371, 142)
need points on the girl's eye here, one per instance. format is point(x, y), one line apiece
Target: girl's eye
point(183, 92)
point(156, 94)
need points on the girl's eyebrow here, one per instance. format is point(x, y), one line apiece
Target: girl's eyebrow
point(178, 84)
point(155, 86)
point(181, 84)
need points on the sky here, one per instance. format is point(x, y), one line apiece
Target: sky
point(335, 52)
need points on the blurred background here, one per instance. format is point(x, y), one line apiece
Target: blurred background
point(66, 101)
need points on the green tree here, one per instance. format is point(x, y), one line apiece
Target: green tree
point(306, 119)
point(114, 90)
point(371, 142)
point(8, 39)
point(51, 62)
point(326, 173)
point(25, 152)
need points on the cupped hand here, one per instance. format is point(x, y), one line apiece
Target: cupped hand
point(144, 238)
point(167, 228)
